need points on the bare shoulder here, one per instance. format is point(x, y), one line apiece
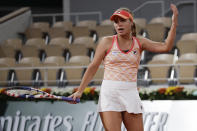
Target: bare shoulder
point(103, 46)
point(142, 39)
point(105, 42)
point(145, 42)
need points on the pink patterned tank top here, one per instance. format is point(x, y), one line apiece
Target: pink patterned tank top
point(121, 66)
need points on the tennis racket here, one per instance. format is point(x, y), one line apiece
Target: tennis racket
point(33, 93)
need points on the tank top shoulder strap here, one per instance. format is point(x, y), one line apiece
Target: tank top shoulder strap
point(138, 43)
point(113, 41)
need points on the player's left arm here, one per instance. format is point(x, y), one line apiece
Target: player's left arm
point(168, 44)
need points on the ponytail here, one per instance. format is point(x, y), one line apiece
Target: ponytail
point(133, 30)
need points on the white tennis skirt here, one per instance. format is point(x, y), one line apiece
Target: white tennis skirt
point(119, 96)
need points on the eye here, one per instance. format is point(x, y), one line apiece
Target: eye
point(122, 20)
point(116, 21)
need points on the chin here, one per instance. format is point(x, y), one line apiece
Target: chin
point(122, 34)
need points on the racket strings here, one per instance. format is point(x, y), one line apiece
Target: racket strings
point(25, 93)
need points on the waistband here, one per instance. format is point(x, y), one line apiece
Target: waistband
point(119, 84)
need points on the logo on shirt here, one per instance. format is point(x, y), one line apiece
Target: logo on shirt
point(115, 52)
point(134, 52)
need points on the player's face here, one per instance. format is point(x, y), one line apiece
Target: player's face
point(122, 26)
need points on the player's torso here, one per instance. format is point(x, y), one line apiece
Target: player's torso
point(120, 65)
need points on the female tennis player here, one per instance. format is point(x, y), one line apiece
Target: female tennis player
point(119, 100)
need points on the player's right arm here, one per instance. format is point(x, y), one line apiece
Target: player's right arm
point(101, 50)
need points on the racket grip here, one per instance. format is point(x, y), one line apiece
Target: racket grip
point(70, 99)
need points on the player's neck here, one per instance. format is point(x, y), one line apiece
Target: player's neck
point(125, 38)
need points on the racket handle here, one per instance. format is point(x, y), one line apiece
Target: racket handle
point(70, 99)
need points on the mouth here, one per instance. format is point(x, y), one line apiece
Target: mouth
point(120, 29)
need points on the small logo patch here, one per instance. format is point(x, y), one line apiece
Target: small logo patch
point(118, 12)
point(114, 52)
point(134, 52)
